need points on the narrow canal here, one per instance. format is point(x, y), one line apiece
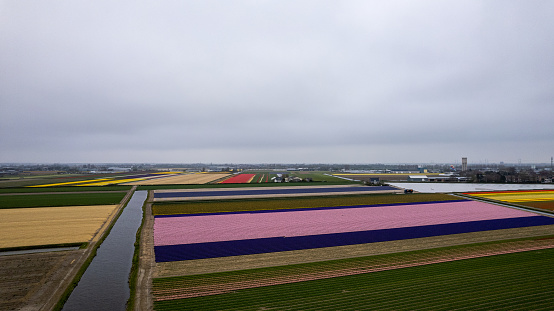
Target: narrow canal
point(105, 284)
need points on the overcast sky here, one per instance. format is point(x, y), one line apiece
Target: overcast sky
point(276, 81)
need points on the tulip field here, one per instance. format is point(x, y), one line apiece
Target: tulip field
point(239, 179)
point(181, 179)
point(187, 237)
point(542, 199)
point(500, 282)
point(263, 253)
point(109, 180)
point(265, 192)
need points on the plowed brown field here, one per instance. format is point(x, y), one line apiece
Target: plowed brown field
point(26, 281)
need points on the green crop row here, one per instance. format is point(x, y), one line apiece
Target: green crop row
point(520, 280)
point(66, 199)
point(172, 208)
point(64, 189)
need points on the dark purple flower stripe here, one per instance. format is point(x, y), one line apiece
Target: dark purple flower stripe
point(278, 244)
point(266, 191)
point(308, 209)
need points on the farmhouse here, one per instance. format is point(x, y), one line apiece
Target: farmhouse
point(447, 178)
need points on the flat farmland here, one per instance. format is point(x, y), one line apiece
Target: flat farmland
point(382, 177)
point(239, 179)
point(546, 205)
point(499, 282)
point(51, 225)
point(182, 179)
point(28, 281)
point(189, 237)
point(322, 176)
point(34, 238)
point(170, 208)
point(229, 250)
point(517, 196)
point(52, 190)
point(266, 192)
point(199, 263)
point(261, 178)
point(541, 199)
point(246, 262)
point(60, 199)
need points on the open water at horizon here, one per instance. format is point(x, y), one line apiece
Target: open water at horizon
point(428, 187)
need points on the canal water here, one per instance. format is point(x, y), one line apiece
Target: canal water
point(105, 283)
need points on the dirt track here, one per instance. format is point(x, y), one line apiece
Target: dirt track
point(146, 265)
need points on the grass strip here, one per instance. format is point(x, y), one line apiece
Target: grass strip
point(172, 208)
point(66, 199)
point(64, 189)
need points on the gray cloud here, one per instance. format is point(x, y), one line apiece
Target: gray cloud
point(276, 81)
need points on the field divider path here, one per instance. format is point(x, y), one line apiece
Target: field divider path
point(162, 294)
point(146, 263)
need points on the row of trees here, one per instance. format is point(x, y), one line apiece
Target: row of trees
point(509, 175)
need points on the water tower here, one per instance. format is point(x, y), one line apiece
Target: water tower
point(464, 164)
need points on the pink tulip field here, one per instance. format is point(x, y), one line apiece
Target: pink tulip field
point(184, 237)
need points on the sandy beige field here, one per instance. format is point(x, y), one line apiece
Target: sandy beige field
point(51, 225)
point(198, 178)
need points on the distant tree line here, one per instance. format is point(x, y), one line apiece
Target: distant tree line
point(509, 175)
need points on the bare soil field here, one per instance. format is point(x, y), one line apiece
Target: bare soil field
point(25, 280)
point(51, 225)
point(201, 266)
point(198, 178)
point(547, 205)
